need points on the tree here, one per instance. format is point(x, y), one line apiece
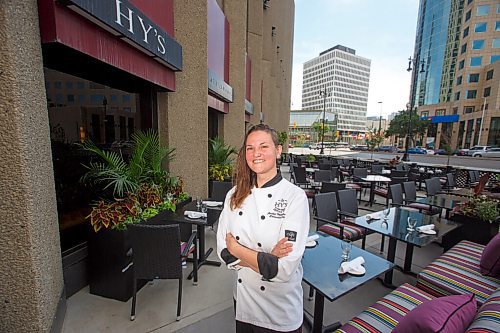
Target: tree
point(399, 125)
point(317, 127)
point(373, 140)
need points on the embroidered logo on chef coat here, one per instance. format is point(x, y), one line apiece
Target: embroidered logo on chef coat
point(292, 235)
point(279, 209)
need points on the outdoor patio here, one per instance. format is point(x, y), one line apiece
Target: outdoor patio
point(208, 307)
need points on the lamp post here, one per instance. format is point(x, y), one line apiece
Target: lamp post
point(380, 119)
point(482, 121)
point(409, 106)
point(104, 104)
point(323, 93)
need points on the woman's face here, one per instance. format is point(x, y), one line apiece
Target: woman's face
point(261, 153)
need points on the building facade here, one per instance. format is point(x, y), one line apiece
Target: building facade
point(456, 71)
point(344, 76)
point(190, 69)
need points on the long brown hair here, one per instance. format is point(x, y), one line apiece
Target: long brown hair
point(243, 176)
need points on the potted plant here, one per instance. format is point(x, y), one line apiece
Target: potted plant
point(220, 161)
point(132, 190)
point(479, 217)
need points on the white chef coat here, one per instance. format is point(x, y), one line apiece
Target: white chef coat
point(262, 220)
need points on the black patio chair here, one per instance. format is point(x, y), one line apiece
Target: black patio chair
point(410, 191)
point(327, 187)
point(433, 186)
point(157, 253)
point(377, 169)
point(385, 191)
point(323, 175)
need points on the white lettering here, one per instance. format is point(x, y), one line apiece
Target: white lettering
point(119, 15)
point(144, 29)
point(161, 44)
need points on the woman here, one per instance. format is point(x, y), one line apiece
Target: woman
point(262, 234)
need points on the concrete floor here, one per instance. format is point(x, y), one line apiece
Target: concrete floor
point(208, 307)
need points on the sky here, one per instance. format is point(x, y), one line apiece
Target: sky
point(380, 30)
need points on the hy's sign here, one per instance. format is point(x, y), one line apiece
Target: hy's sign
point(125, 21)
point(219, 87)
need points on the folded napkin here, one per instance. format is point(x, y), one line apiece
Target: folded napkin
point(427, 229)
point(372, 217)
point(213, 203)
point(354, 267)
point(311, 240)
point(195, 215)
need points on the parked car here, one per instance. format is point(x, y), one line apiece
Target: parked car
point(477, 149)
point(315, 145)
point(359, 147)
point(417, 150)
point(490, 152)
point(390, 149)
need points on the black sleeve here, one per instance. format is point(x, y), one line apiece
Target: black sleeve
point(268, 265)
point(227, 257)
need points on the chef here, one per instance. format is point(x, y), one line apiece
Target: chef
point(262, 234)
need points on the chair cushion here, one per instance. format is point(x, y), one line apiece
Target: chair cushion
point(351, 232)
point(425, 208)
point(381, 191)
point(449, 314)
point(191, 248)
point(488, 317)
point(384, 315)
point(490, 259)
point(353, 186)
point(457, 272)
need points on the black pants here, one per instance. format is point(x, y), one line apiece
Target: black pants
point(242, 327)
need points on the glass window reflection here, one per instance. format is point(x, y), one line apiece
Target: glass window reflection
point(476, 61)
point(482, 10)
point(478, 44)
point(480, 27)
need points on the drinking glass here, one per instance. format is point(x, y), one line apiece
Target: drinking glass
point(203, 208)
point(386, 213)
point(346, 248)
point(411, 224)
point(198, 202)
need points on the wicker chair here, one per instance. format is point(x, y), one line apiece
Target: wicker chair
point(157, 253)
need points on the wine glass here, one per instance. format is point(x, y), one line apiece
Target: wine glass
point(411, 224)
point(346, 246)
point(203, 208)
point(198, 202)
point(386, 213)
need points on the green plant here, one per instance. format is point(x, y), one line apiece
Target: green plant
point(282, 137)
point(480, 206)
point(112, 171)
point(310, 158)
point(219, 159)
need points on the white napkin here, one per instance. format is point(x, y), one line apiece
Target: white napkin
point(213, 203)
point(372, 217)
point(427, 229)
point(195, 215)
point(354, 267)
point(311, 240)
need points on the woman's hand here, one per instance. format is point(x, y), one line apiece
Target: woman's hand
point(231, 243)
point(282, 248)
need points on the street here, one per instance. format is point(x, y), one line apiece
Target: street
point(464, 161)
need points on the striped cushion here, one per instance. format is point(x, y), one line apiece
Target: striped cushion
point(425, 208)
point(381, 191)
point(488, 317)
point(457, 272)
point(350, 232)
point(183, 246)
point(384, 315)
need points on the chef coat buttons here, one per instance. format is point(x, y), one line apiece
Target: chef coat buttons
point(240, 213)
point(262, 288)
point(262, 217)
point(269, 195)
point(237, 237)
point(239, 280)
point(259, 244)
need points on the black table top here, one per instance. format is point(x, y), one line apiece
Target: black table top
point(322, 262)
point(177, 216)
point(397, 222)
point(443, 200)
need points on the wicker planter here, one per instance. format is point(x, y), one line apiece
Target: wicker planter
point(475, 229)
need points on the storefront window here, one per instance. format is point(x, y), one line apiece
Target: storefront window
point(494, 132)
point(468, 133)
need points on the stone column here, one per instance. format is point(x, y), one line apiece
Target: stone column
point(30, 257)
point(183, 116)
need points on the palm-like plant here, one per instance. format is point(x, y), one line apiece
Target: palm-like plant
point(219, 152)
point(144, 167)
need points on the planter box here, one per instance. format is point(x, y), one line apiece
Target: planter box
point(473, 229)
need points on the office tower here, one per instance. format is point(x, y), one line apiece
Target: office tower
point(345, 76)
point(456, 72)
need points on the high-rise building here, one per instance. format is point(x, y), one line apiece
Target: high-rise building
point(456, 71)
point(345, 76)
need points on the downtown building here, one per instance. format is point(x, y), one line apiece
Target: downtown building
point(103, 69)
point(345, 77)
point(456, 72)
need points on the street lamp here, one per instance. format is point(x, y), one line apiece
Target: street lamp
point(380, 119)
point(323, 93)
point(409, 106)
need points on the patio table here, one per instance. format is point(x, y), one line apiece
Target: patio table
point(321, 265)
point(443, 200)
point(201, 223)
point(396, 228)
point(372, 179)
